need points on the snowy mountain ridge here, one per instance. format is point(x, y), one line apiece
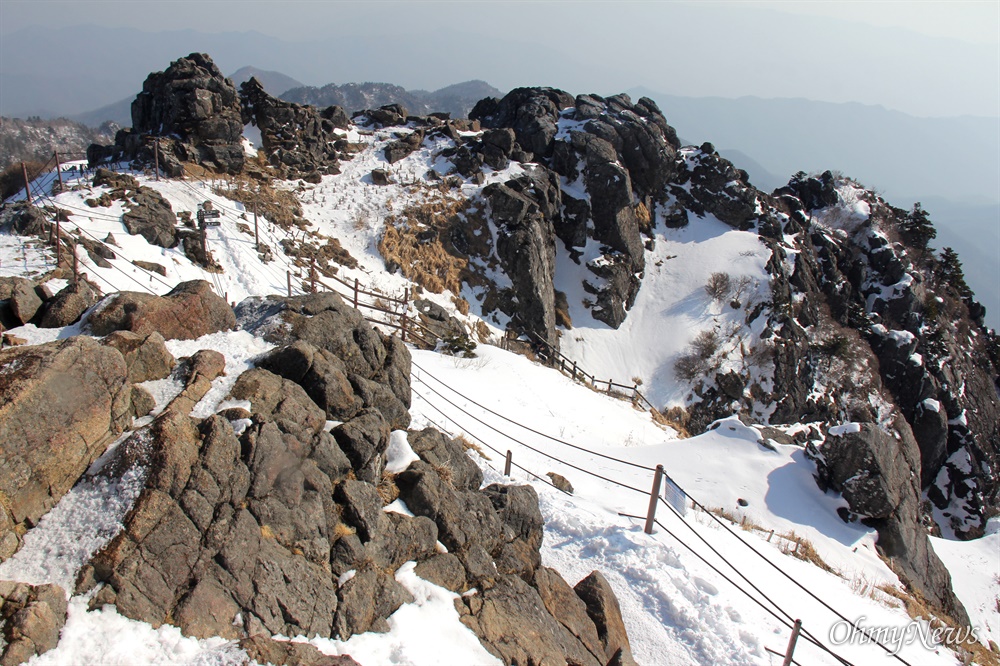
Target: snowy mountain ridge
point(630, 231)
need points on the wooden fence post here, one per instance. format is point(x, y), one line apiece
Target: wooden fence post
point(288, 277)
point(256, 238)
point(574, 371)
point(76, 265)
point(312, 275)
point(404, 326)
point(58, 170)
point(156, 158)
point(609, 387)
point(58, 243)
point(654, 497)
point(355, 293)
point(27, 187)
point(506, 465)
point(791, 643)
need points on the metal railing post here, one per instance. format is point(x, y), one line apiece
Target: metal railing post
point(791, 643)
point(654, 496)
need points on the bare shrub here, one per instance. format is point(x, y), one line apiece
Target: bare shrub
point(690, 367)
point(719, 286)
point(705, 344)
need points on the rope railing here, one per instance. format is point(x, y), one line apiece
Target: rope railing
point(651, 519)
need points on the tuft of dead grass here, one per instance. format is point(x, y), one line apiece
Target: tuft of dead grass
point(387, 489)
point(468, 444)
point(675, 417)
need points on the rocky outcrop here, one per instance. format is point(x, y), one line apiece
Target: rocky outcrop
point(708, 183)
point(190, 310)
point(61, 404)
point(525, 245)
point(301, 141)
point(876, 471)
point(147, 213)
point(31, 618)
point(276, 522)
point(192, 111)
point(264, 650)
point(146, 356)
point(324, 342)
point(617, 158)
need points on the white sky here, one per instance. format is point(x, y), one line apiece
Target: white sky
point(923, 58)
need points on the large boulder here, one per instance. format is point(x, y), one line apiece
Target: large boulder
point(150, 215)
point(189, 311)
point(61, 404)
point(31, 618)
point(146, 356)
point(68, 305)
point(878, 473)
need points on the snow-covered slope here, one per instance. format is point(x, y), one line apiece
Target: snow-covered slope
point(676, 607)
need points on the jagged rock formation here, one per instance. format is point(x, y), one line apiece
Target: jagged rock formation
point(302, 141)
point(192, 110)
point(877, 473)
point(605, 165)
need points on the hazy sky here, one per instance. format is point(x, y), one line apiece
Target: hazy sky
point(923, 58)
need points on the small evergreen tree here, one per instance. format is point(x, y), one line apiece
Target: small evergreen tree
point(918, 227)
point(949, 272)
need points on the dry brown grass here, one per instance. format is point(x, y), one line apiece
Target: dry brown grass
point(280, 207)
point(413, 241)
point(482, 331)
point(421, 239)
point(675, 417)
point(562, 311)
point(643, 217)
point(387, 489)
point(468, 444)
point(460, 304)
point(340, 530)
point(803, 549)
